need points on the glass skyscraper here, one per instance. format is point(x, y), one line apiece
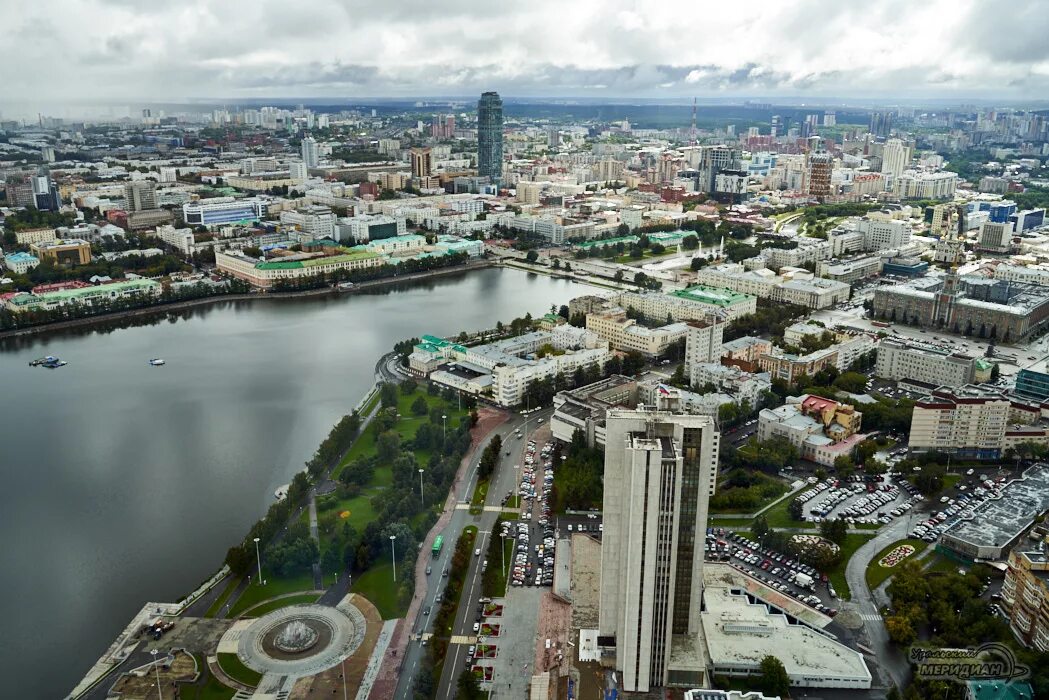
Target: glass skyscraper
point(490, 137)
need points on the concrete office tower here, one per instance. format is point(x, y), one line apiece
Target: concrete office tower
point(140, 195)
point(309, 152)
point(660, 468)
point(422, 162)
point(490, 137)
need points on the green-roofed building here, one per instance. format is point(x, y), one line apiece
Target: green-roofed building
point(263, 273)
point(84, 295)
point(625, 240)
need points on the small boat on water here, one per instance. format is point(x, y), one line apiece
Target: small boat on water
point(52, 362)
point(156, 362)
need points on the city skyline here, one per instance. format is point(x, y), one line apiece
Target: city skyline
point(813, 48)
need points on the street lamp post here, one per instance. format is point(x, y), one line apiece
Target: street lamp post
point(422, 497)
point(160, 692)
point(444, 425)
point(258, 558)
point(393, 553)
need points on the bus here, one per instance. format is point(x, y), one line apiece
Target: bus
point(437, 545)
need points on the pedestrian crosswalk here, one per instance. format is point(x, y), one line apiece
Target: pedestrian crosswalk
point(867, 617)
point(463, 639)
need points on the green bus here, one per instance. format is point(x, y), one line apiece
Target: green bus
point(437, 545)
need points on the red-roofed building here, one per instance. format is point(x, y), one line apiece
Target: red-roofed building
point(59, 286)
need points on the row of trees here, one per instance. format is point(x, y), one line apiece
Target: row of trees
point(579, 477)
point(770, 319)
point(815, 554)
point(745, 491)
point(405, 267)
point(67, 312)
point(945, 610)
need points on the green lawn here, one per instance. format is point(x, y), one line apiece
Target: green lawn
point(376, 584)
point(236, 670)
point(876, 573)
point(261, 610)
point(939, 564)
point(479, 494)
point(212, 689)
point(499, 583)
point(853, 541)
point(359, 507)
point(779, 517)
point(221, 600)
point(274, 586)
point(372, 403)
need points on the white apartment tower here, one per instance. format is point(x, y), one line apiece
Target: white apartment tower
point(310, 155)
point(660, 468)
point(895, 157)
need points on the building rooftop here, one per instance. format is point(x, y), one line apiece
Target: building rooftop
point(716, 296)
point(998, 521)
point(347, 256)
point(999, 690)
point(739, 633)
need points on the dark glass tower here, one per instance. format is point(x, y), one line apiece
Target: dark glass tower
point(490, 136)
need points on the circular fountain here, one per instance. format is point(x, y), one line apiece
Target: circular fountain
point(295, 637)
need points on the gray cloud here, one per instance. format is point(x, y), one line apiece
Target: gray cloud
point(124, 49)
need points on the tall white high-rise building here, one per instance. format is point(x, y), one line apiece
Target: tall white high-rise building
point(895, 157)
point(310, 155)
point(660, 468)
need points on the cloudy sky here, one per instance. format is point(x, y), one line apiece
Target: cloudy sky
point(144, 50)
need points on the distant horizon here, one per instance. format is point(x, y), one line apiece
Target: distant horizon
point(95, 109)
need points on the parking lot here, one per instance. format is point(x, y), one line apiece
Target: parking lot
point(976, 489)
point(775, 569)
point(863, 500)
point(533, 534)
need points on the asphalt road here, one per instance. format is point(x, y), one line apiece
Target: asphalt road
point(886, 656)
point(503, 481)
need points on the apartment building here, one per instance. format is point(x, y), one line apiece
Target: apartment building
point(659, 469)
point(1025, 593)
point(813, 293)
point(901, 359)
point(626, 334)
point(967, 421)
point(315, 221)
point(691, 304)
point(505, 368)
point(742, 386)
point(703, 342)
point(850, 271)
point(703, 299)
point(35, 235)
point(745, 352)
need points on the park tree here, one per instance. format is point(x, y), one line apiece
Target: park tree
point(773, 679)
point(834, 530)
point(531, 256)
point(388, 395)
point(420, 407)
point(388, 446)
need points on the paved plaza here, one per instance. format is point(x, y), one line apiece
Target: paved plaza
point(341, 631)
